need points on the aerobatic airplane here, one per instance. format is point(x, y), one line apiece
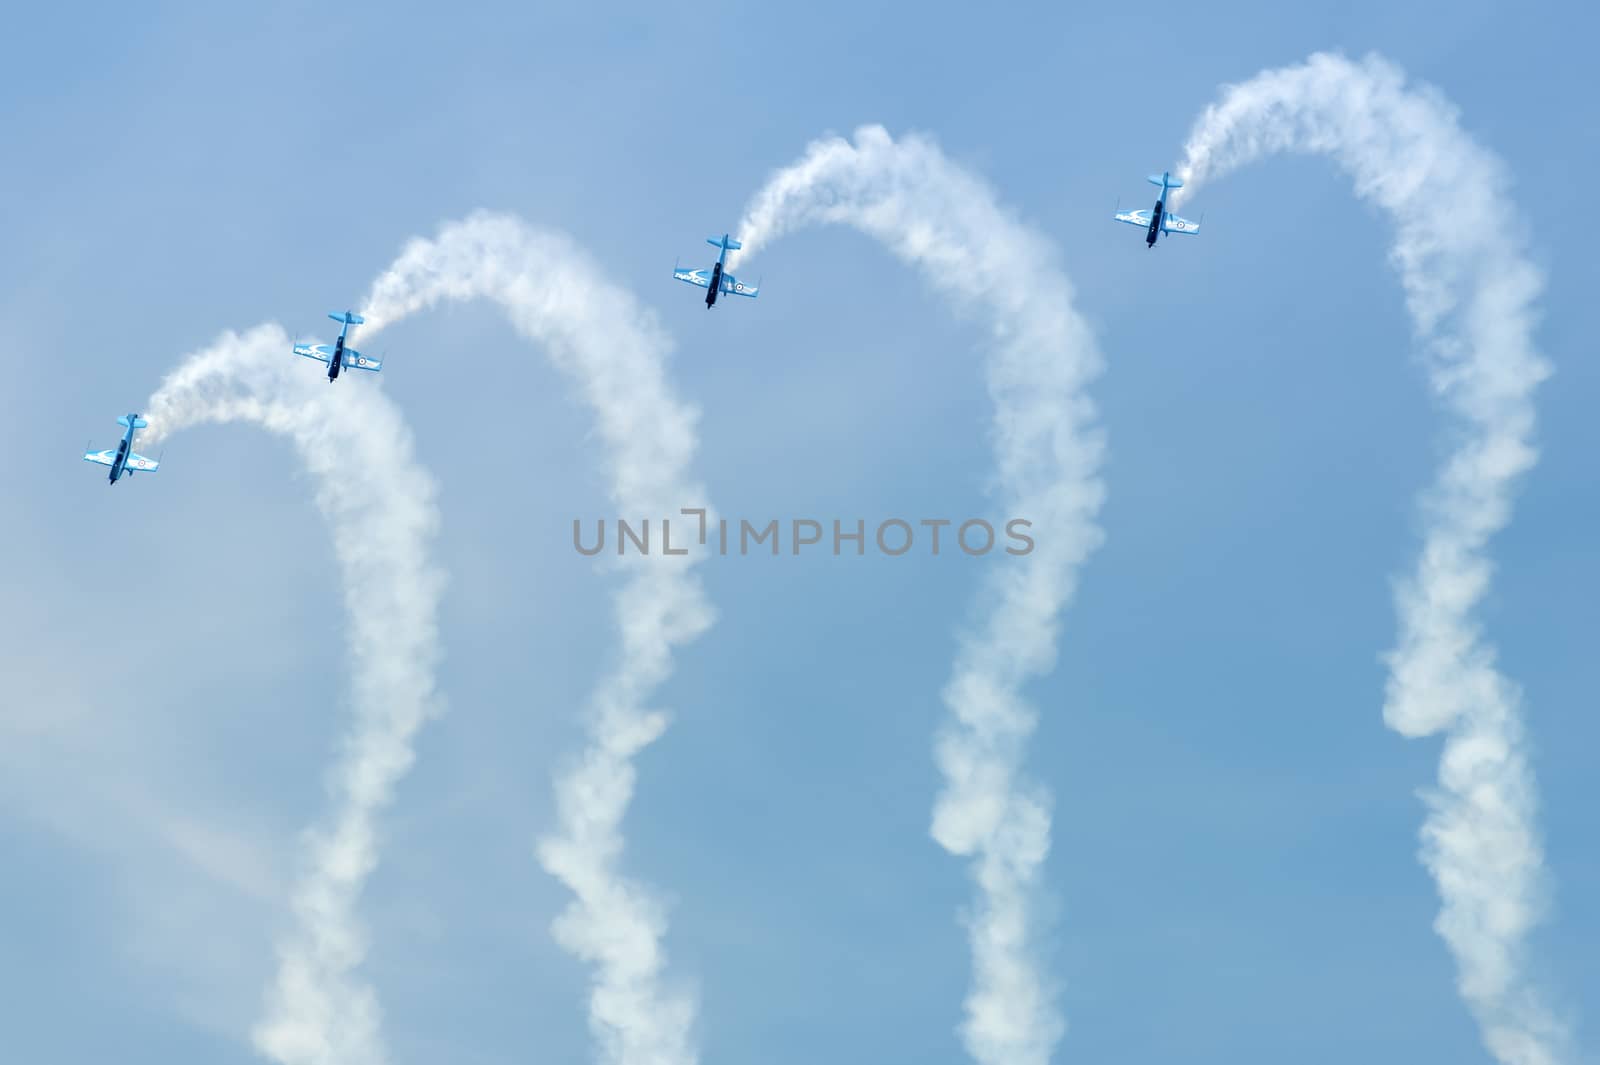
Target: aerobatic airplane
point(1157, 221)
point(124, 459)
point(340, 357)
point(717, 280)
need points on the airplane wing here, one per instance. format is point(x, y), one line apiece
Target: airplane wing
point(104, 458)
point(137, 463)
point(733, 286)
point(320, 352)
point(1134, 218)
point(1173, 224)
point(354, 360)
point(695, 277)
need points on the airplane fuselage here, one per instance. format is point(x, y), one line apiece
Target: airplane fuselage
point(336, 363)
point(716, 285)
point(1155, 223)
point(121, 461)
point(119, 465)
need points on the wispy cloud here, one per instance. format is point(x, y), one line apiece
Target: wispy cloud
point(1041, 357)
point(615, 354)
point(186, 880)
point(1471, 292)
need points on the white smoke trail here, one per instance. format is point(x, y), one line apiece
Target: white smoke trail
point(381, 508)
point(380, 505)
point(615, 353)
point(1471, 291)
point(935, 216)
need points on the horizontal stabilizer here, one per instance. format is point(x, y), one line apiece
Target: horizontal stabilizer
point(346, 317)
point(1166, 181)
point(132, 421)
point(724, 242)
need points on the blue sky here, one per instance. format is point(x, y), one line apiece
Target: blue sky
point(1233, 869)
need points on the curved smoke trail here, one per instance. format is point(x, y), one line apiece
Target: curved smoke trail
point(381, 507)
point(355, 443)
point(615, 352)
point(937, 217)
point(1470, 290)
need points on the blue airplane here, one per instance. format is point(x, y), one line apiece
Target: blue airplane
point(1157, 221)
point(340, 357)
point(716, 280)
point(124, 460)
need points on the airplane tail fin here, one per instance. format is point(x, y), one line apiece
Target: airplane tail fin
point(346, 317)
point(724, 241)
point(132, 421)
point(1166, 181)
